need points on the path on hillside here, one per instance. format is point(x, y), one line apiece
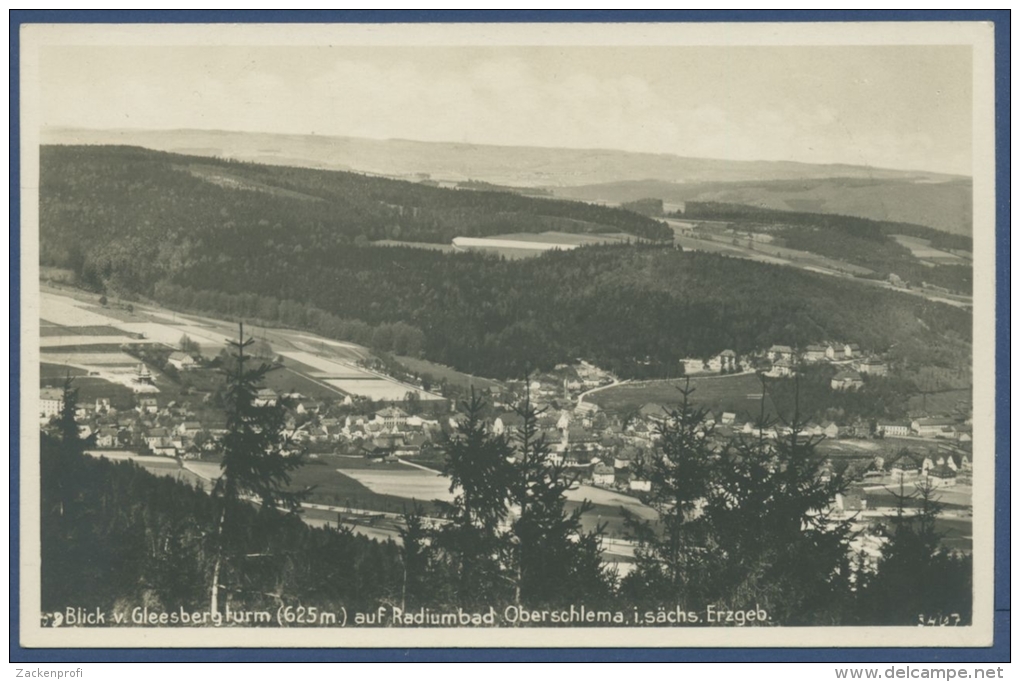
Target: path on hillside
point(616, 382)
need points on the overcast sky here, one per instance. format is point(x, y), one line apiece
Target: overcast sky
point(897, 107)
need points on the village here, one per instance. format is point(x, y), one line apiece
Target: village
point(600, 446)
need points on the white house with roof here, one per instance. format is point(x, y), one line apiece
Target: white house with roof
point(107, 437)
point(846, 380)
point(942, 477)
point(392, 418)
point(782, 367)
point(780, 352)
point(603, 474)
point(873, 366)
point(181, 360)
point(815, 352)
point(725, 361)
point(147, 405)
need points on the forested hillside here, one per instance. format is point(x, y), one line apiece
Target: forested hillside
point(162, 208)
point(864, 242)
point(292, 246)
point(942, 202)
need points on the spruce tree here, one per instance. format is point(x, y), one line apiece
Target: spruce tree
point(918, 581)
point(669, 552)
point(770, 539)
point(60, 466)
point(478, 465)
point(553, 560)
point(257, 457)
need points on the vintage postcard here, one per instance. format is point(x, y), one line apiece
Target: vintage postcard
point(507, 335)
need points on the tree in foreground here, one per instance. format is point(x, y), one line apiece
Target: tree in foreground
point(670, 552)
point(742, 525)
point(918, 580)
point(257, 460)
point(554, 560)
point(511, 539)
point(59, 469)
point(478, 464)
point(771, 539)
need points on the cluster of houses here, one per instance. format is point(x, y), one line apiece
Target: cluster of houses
point(939, 469)
point(585, 376)
point(726, 424)
point(785, 359)
point(170, 429)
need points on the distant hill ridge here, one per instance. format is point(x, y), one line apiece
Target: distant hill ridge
point(599, 175)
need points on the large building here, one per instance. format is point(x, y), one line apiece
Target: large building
point(931, 428)
point(51, 402)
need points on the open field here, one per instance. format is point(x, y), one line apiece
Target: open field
point(354, 380)
point(85, 341)
point(340, 350)
point(424, 485)
point(411, 483)
point(68, 312)
point(740, 393)
point(58, 330)
point(768, 253)
point(346, 488)
point(287, 380)
point(374, 389)
point(577, 238)
point(869, 449)
point(440, 372)
point(210, 341)
point(325, 368)
point(315, 366)
point(610, 499)
point(921, 249)
point(884, 495)
point(88, 360)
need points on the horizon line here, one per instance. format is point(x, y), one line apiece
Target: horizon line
point(918, 171)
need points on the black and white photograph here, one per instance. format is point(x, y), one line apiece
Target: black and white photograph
point(502, 335)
